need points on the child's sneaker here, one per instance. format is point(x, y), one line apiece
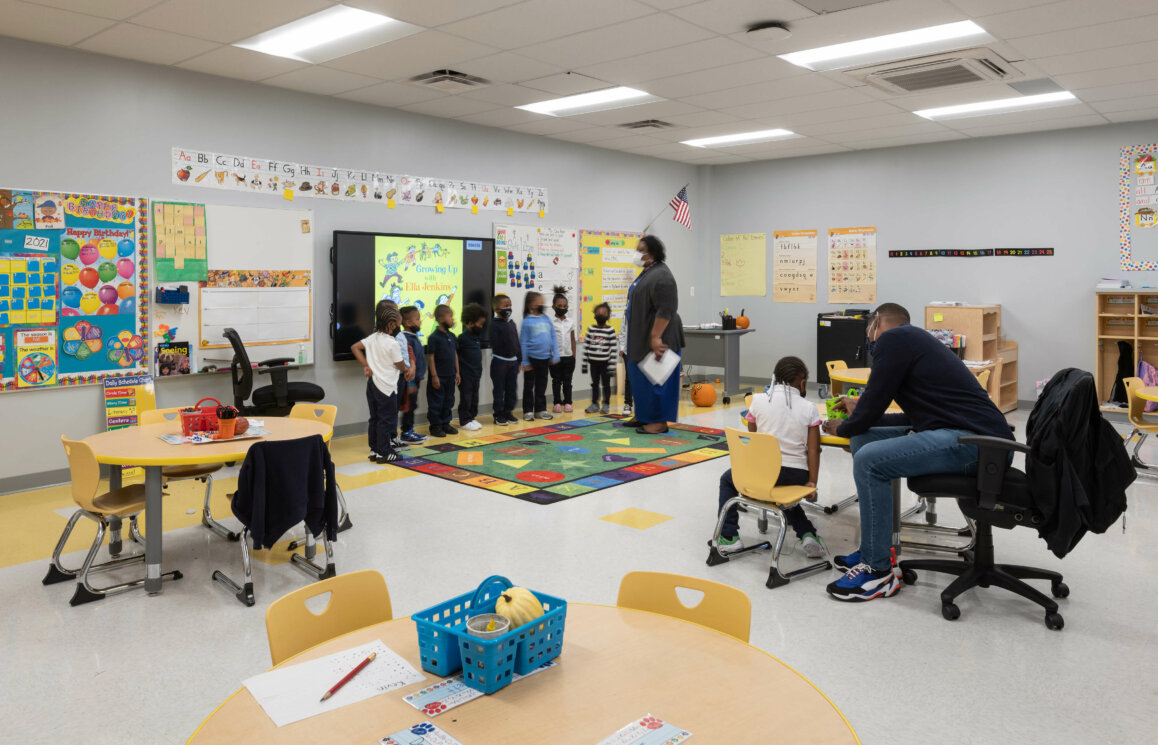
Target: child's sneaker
point(568, 408)
point(472, 426)
point(728, 545)
point(863, 583)
point(391, 457)
point(813, 548)
point(373, 456)
point(529, 416)
point(437, 431)
point(594, 407)
point(450, 430)
point(627, 410)
point(544, 415)
point(605, 409)
point(502, 420)
point(557, 408)
point(398, 444)
point(412, 437)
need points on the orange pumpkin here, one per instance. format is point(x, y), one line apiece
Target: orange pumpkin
point(703, 394)
point(742, 320)
point(241, 425)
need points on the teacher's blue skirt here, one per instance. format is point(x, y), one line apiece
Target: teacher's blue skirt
point(655, 403)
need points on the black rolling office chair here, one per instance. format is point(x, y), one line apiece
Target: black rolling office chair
point(275, 399)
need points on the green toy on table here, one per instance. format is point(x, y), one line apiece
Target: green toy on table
point(831, 403)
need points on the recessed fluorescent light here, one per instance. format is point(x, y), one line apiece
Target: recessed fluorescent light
point(328, 34)
point(742, 138)
point(585, 103)
point(905, 44)
point(1000, 106)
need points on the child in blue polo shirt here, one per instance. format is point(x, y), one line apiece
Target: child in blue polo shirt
point(411, 323)
point(442, 365)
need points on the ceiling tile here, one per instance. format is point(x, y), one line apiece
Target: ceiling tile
point(624, 142)
point(1099, 36)
point(1063, 15)
point(702, 119)
point(795, 119)
point(700, 55)
point(226, 21)
point(1040, 125)
point(731, 16)
point(647, 34)
point(541, 20)
point(1112, 76)
point(589, 135)
point(1098, 59)
point(1124, 90)
point(661, 149)
point(851, 124)
point(412, 55)
point(1125, 104)
point(911, 140)
point(715, 158)
point(656, 110)
point(117, 9)
point(550, 126)
point(1135, 115)
point(429, 13)
point(47, 25)
point(450, 106)
point(1020, 117)
point(907, 130)
point(759, 70)
point(772, 90)
point(145, 44)
point(504, 94)
point(235, 62)
point(977, 8)
point(321, 80)
point(393, 95)
point(566, 84)
point(783, 148)
point(502, 117)
point(669, 4)
point(771, 110)
point(508, 67)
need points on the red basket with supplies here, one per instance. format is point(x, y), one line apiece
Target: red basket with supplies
point(198, 418)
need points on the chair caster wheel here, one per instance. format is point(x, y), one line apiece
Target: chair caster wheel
point(1054, 621)
point(950, 611)
point(908, 576)
point(829, 510)
point(1060, 590)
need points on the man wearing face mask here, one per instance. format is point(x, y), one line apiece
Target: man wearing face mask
point(941, 400)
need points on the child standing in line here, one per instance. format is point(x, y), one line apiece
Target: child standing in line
point(474, 318)
point(600, 348)
point(562, 373)
point(411, 323)
point(381, 358)
point(627, 401)
point(442, 364)
point(540, 351)
point(408, 375)
point(784, 412)
point(505, 353)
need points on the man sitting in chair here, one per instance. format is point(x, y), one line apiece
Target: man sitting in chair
point(941, 400)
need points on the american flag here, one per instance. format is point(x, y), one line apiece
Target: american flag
point(683, 210)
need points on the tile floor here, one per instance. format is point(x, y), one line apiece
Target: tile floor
point(148, 670)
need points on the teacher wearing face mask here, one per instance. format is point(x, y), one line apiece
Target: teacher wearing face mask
point(653, 326)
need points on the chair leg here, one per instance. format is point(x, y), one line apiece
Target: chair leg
point(715, 557)
point(207, 515)
point(116, 544)
point(243, 593)
point(776, 578)
point(312, 568)
point(837, 506)
point(85, 592)
point(58, 572)
point(1011, 583)
point(344, 522)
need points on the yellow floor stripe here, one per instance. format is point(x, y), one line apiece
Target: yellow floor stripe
point(633, 517)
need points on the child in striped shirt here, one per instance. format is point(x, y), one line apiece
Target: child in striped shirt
point(600, 348)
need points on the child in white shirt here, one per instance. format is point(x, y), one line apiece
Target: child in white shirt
point(564, 371)
point(381, 358)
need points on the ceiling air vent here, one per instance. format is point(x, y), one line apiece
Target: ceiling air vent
point(648, 124)
point(966, 67)
point(449, 81)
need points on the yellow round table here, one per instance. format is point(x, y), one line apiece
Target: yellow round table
point(1148, 394)
point(849, 375)
point(142, 446)
point(617, 665)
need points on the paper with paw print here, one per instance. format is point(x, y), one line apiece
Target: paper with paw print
point(424, 733)
point(648, 730)
point(451, 692)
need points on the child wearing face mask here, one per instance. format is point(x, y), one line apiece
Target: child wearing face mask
point(600, 348)
point(470, 365)
point(381, 358)
point(505, 353)
point(562, 373)
point(540, 351)
point(411, 323)
point(442, 364)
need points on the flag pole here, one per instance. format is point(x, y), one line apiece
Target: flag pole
point(644, 231)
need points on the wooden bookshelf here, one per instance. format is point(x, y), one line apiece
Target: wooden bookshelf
point(981, 325)
point(1123, 316)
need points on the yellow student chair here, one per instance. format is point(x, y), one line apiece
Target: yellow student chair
point(835, 386)
point(326, 414)
point(128, 501)
point(203, 473)
point(722, 607)
point(755, 459)
point(357, 600)
point(1143, 427)
point(983, 379)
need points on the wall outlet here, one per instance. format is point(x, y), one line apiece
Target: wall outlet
point(693, 289)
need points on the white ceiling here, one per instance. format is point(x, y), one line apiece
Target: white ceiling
point(716, 78)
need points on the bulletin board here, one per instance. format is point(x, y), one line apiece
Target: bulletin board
point(259, 281)
point(1138, 208)
point(530, 257)
point(607, 272)
point(74, 287)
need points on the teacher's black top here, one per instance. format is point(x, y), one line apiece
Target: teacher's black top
point(655, 296)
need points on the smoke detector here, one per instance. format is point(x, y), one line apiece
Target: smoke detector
point(449, 81)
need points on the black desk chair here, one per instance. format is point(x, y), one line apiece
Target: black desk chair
point(998, 496)
point(276, 399)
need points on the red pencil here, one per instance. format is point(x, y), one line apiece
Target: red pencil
point(349, 675)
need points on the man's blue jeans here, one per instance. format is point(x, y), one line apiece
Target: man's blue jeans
point(885, 453)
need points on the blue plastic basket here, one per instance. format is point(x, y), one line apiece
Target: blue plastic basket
point(445, 647)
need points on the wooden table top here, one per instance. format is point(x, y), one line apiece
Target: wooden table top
point(141, 446)
point(1149, 393)
point(617, 665)
point(854, 375)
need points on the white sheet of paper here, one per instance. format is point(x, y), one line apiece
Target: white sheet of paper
point(658, 371)
point(293, 693)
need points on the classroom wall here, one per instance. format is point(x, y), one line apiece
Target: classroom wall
point(1052, 189)
point(88, 123)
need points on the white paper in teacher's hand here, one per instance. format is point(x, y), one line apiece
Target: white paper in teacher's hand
point(658, 371)
point(293, 693)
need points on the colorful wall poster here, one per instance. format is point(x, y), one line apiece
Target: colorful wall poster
point(537, 258)
point(420, 272)
point(794, 266)
point(35, 359)
point(1138, 208)
point(17, 211)
point(172, 358)
point(258, 278)
point(180, 245)
point(125, 397)
point(852, 265)
point(606, 273)
point(28, 290)
point(743, 264)
point(99, 344)
point(290, 180)
point(49, 213)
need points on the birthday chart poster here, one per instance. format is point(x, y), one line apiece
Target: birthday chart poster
point(423, 272)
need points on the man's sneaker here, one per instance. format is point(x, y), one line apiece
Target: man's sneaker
point(728, 545)
point(813, 548)
point(437, 431)
point(472, 426)
point(862, 583)
point(450, 430)
point(529, 416)
point(557, 408)
point(568, 408)
point(544, 415)
point(848, 561)
point(412, 437)
point(390, 457)
point(627, 410)
point(594, 407)
point(604, 409)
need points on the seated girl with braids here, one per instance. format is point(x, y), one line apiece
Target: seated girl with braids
point(783, 412)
